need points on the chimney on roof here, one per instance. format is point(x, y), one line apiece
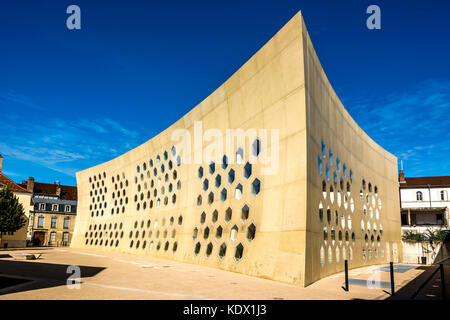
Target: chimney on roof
point(401, 177)
point(58, 189)
point(1, 162)
point(401, 174)
point(30, 184)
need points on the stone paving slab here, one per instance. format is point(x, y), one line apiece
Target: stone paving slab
point(110, 275)
point(398, 268)
point(373, 284)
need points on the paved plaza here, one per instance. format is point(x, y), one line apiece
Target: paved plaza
point(109, 275)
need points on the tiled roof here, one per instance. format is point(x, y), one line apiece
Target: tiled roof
point(67, 192)
point(7, 182)
point(425, 209)
point(41, 199)
point(424, 181)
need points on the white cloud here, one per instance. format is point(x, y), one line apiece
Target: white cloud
point(67, 146)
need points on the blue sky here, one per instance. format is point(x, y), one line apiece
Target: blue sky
point(73, 99)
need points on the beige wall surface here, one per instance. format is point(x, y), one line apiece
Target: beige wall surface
point(435, 252)
point(18, 238)
point(362, 190)
point(147, 204)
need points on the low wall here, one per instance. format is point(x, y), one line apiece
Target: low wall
point(13, 243)
point(414, 252)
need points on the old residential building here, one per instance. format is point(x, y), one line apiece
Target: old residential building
point(54, 211)
point(18, 238)
point(424, 201)
point(425, 207)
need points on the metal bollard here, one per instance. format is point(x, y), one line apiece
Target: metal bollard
point(346, 275)
point(444, 294)
point(391, 266)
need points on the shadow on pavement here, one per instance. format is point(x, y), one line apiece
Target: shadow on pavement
point(408, 291)
point(42, 275)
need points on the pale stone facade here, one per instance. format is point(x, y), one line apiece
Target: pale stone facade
point(425, 207)
point(52, 227)
point(231, 216)
point(17, 239)
point(53, 213)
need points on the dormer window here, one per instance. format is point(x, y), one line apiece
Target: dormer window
point(68, 208)
point(54, 207)
point(41, 206)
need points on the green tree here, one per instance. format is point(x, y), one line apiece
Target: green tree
point(12, 215)
point(429, 235)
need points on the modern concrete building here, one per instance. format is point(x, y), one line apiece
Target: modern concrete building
point(54, 209)
point(425, 206)
point(326, 193)
point(16, 239)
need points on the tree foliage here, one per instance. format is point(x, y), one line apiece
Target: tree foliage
point(429, 235)
point(12, 214)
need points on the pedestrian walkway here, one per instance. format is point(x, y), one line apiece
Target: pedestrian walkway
point(111, 275)
point(427, 286)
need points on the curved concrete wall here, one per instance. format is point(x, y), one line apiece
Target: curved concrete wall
point(366, 202)
point(247, 218)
